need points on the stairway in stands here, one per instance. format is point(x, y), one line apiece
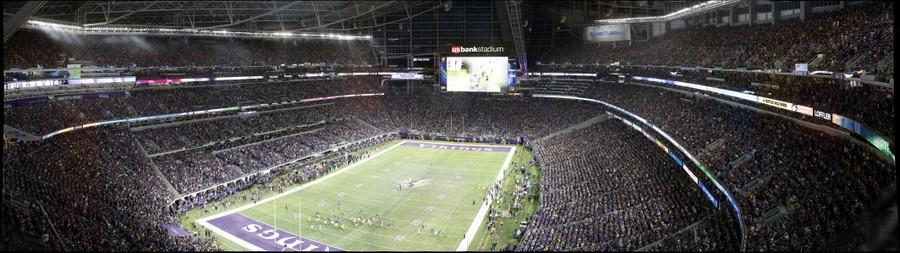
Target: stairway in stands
point(596, 119)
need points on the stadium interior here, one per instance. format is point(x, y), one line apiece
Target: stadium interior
point(722, 125)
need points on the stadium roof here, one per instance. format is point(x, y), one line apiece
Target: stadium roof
point(262, 16)
point(312, 16)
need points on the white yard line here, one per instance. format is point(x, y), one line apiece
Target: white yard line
point(463, 245)
point(482, 212)
point(205, 221)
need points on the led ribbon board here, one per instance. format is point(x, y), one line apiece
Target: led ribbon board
point(870, 135)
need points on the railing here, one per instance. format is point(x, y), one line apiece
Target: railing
point(854, 61)
point(284, 164)
point(40, 207)
point(21, 89)
point(872, 136)
point(780, 62)
point(200, 112)
point(814, 63)
point(765, 71)
point(733, 203)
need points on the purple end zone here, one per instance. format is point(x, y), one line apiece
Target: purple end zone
point(175, 230)
point(264, 236)
point(456, 147)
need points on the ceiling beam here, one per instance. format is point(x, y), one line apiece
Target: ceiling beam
point(318, 18)
point(235, 14)
point(345, 19)
point(252, 18)
point(398, 20)
point(120, 17)
point(12, 25)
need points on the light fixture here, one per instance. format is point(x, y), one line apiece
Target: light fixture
point(120, 30)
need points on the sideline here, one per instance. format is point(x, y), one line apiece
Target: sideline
point(205, 221)
point(482, 212)
point(463, 245)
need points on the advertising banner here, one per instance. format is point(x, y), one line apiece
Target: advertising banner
point(871, 136)
point(801, 68)
point(74, 71)
point(689, 173)
point(33, 83)
point(407, 76)
point(94, 95)
point(25, 101)
point(663, 146)
point(607, 33)
point(709, 195)
point(410, 134)
point(821, 114)
point(805, 110)
point(776, 103)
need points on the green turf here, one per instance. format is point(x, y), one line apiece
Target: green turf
point(462, 73)
point(505, 232)
point(187, 220)
point(458, 178)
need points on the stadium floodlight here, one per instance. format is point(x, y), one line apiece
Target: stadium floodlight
point(52, 25)
point(701, 7)
point(123, 30)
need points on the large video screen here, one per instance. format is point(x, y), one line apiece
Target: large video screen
point(475, 74)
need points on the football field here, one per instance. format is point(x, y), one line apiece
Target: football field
point(414, 195)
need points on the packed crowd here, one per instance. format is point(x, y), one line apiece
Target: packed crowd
point(472, 115)
point(31, 48)
point(306, 172)
point(790, 165)
point(608, 188)
point(604, 187)
point(57, 114)
point(100, 193)
point(866, 103)
point(94, 191)
point(477, 116)
point(714, 233)
point(862, 102)
point(18, 233)
point(198, 169)
point(855, 38)
point(197, 133)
